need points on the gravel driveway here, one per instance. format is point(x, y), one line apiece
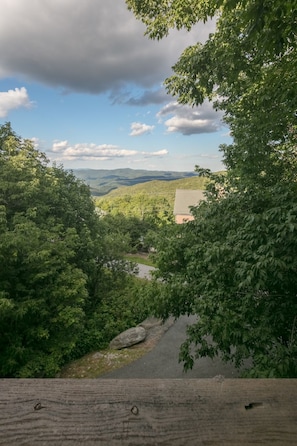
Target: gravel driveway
point(162, 361)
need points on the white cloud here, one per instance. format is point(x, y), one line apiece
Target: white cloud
point(89, 151)
point(13, 99)
point(162, 152)
point(137, 129)
point(59, 146)
point(86, 46)
point(191, 120)
point(63, 151)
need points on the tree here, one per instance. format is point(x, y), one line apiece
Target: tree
point(247, 66)
point(235, 264)
point(47, 219)
point(235, 267)
point(54, 252)
point(64, 287)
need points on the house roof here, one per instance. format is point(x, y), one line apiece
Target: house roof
point(184, 198)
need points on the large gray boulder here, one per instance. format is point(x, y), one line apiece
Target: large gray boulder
point(127, 338)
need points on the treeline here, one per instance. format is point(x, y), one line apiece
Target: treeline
point(64, 288)
point(136, 218)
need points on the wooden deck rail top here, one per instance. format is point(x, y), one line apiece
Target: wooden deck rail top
point(148, 412)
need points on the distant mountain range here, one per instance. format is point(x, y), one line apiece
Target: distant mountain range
point(102, 181)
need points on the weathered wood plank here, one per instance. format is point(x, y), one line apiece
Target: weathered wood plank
point(148, 412)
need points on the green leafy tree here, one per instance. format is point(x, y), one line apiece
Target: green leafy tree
point(64, 287)
point(155, 210)
point(42, 285)
point(247, 66)
point(54, 254)
point(133, 216)
point(235, 265)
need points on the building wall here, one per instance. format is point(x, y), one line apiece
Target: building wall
point(180, 219)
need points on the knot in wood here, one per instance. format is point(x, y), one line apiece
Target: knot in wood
point(135, 410)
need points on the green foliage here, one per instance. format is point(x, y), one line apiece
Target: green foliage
point(264, 24)
point(60, 271)
point(141, 206)
point(134, 217)
point(135, 214)
point(47, 218)
point(235, 265)
point(122, 307)
point(247, 66)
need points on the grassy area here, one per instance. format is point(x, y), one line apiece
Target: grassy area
point(140, 258)
point(98, 363)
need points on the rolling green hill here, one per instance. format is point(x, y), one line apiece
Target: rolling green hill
point(159, 188)
point(103, 181)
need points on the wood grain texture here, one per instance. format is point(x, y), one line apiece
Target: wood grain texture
point(148, 412)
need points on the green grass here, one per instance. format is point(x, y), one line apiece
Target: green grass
point(139, 258)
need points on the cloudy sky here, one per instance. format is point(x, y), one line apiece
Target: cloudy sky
point(82, 80)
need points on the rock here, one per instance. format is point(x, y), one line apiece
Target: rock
point(127, 338)
point(150, 322)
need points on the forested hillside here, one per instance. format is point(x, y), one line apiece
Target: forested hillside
point(103, 181)
point(165, 189)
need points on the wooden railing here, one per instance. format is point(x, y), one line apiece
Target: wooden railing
point(148, 412)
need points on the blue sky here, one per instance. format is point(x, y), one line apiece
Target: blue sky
point(82, 80)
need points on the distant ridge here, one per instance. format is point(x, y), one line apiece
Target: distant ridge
point(102, 181)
